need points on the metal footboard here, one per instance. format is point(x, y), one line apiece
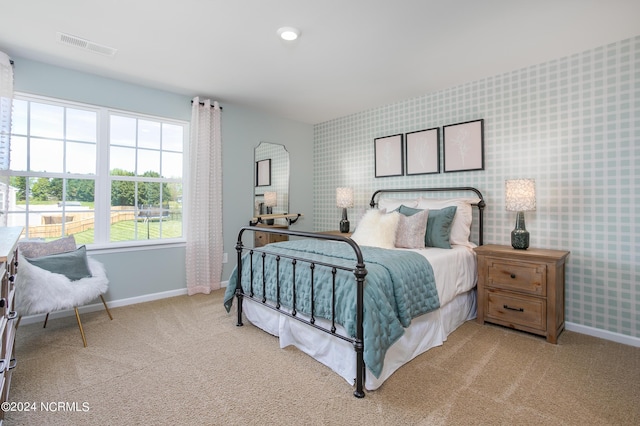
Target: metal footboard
point(262, 253)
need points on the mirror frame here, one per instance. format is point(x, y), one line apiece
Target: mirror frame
point(276, 170)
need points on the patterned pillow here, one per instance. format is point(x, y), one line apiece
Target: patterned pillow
point(34, 249)
point(412, 229)
point(438, 225)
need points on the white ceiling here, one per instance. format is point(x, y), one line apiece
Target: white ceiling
point(352, 55)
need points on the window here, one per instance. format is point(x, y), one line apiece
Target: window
point(103, 175)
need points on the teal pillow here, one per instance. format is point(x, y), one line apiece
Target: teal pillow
point(408, 211)
point(72, 264)
point(439, 227)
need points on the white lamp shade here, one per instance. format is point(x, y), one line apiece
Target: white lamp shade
point(344, 197)
point(270, 199)
point(520, 195)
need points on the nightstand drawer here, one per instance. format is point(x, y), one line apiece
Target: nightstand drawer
point(264, 238)
point(514, 309)
point(517, 276)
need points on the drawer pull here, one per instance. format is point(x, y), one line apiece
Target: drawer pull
point(513, 309)
point(513, 275)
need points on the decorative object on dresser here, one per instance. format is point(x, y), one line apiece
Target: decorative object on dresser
point(523, 290)
point(8, 308)
point(57, 276)
point(520, 196)
point(344, 199)
point(270, 201)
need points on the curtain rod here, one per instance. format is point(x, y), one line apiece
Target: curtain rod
point(202, 103)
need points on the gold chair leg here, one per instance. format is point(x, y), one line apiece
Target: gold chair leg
point(106, 307)
point(45, 321)
point(80, 325)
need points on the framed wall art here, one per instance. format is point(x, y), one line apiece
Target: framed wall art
point(464, 146)
point(388, 156)
point(263, 172)
point(422, 152)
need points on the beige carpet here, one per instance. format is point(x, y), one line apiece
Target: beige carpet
point(182, 361)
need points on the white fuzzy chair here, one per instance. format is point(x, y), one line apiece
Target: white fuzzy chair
point(39, 291)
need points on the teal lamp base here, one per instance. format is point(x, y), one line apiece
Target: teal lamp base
point(520, 235)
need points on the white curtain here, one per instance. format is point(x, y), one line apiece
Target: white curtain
point(204, 201)
point(6, 102)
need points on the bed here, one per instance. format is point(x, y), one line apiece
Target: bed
point(366, 305)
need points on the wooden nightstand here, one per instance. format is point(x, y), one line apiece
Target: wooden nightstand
point(263, 238)
point(522, 289)
point(337, 232)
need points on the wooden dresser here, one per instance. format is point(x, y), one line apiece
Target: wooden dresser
point(522, 289)
point(264, 238)
point(8, 313)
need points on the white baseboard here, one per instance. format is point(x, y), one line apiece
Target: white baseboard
point(603, 334)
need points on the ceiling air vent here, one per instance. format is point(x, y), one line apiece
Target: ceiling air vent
point(71, 40)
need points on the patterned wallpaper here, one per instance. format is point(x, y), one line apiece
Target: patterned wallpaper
point(572, 124)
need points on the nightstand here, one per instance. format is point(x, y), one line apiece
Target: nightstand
point(522, 289)
point(263, 238)
point(337, 232)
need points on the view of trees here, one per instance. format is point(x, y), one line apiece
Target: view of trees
point(123, 193)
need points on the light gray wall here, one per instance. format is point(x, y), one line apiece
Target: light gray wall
point(141, 272)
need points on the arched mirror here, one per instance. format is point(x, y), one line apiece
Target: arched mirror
point(271, 183)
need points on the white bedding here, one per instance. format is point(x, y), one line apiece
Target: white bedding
point(455, 276)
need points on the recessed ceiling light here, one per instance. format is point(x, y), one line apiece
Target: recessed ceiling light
point(288, 33)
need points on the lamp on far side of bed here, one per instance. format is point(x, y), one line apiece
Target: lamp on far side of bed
point(344, 199)
point(270, 201)
point(520, 196)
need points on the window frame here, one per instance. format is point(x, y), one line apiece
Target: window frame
point(103, 178)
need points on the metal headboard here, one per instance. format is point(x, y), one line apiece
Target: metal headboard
point(481, 204)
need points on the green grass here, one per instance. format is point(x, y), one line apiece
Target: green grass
point(131, 230)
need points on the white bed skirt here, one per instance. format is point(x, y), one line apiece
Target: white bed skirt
point(426, 331)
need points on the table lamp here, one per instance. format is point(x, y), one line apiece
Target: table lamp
point(520, 196)
point(270, 201)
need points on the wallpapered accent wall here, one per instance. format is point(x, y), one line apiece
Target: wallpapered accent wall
point(572, 124)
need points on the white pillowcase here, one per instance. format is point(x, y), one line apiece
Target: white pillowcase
point(377, 229)
point(390, 204)
point(461, 226)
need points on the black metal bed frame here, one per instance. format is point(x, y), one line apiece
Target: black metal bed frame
point(358, 270)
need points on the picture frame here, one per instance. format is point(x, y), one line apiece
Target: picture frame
point(463, 146)
point(388, 153)
point(263, 172)
point(422, 152)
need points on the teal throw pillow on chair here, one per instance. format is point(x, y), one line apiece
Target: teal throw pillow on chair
point(72, 264)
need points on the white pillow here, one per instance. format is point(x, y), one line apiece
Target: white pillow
point(390, 204)
point(377, 229)
point(461, 226)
